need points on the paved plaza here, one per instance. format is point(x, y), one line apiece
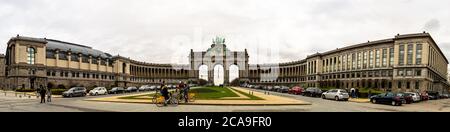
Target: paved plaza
point(12, 103)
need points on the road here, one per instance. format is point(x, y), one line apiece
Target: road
point(16, 104)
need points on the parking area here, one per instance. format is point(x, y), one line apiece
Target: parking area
point(79, 104)
point(361, 104)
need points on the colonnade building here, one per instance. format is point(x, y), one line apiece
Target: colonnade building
point(409, 62)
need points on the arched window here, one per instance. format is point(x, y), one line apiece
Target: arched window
point(31, 55)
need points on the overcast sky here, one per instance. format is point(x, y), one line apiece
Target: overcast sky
point(164, 31)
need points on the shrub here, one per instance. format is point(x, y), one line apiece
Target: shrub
point(202, 82)
point(61, 86)
point(57, 91)
point(25, 90)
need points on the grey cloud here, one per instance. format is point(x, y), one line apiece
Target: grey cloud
point(143, 29)
point(432, 25)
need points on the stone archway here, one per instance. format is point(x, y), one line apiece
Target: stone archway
point(219, 75)
point(219, 54)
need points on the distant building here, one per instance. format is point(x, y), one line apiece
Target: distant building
point(411, 62)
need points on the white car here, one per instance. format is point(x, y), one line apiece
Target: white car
point(98, 91)
point(415, 96)
point(152, 87)
point(336, 94)
point(144, 88)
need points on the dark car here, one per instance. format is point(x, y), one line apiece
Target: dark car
point(131, 89)
point(116, 90)
point(433, 95)
point(408, 97)
point(75, 92)
point(388, 98)
point(312, 92)
point(296, 90)
point(283, 89)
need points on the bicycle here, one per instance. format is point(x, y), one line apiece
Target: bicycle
point(159, 100)
point(182, 98)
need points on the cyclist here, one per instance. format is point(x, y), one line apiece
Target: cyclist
point(186, 92)
point(164, 93)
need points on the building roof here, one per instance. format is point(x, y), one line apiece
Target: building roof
point(64, 46)
point(75, 48)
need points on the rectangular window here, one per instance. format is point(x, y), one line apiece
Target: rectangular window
point(85, 59)
point(391, 56)
point(410, 54)
point(359, 60)
point(94, 61)
point(400, 73)
point(365, 60)
point(50, 54)
point(349, 62)
point(409, 72)
point(418, 72)
point(370, 59)
point(384, 58)
point(103, 62)
point(377, 58)
point(62, 56)
point(399, 85)
point(408, 85)
point(401, 55)
point(353, 61)
point(74, 57)
point(417, 85)
point(418, 54)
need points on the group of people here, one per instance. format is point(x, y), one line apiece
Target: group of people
point(354, 93)
point(182, 88)
point(43, 93)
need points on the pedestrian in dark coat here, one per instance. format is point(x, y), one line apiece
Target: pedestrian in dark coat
point(42, 93)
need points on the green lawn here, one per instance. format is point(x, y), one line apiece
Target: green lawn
point(213, 93)
point(207, 93)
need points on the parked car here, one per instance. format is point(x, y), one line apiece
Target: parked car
point(75, 92)
point(388, 98)
point(312, 92)
point(158, 87)
point(98, 91)
point(424, 97)
point(116, 90)
point(444, 96)
point(297, 90)
point(131, 89)
point(276, 88)
point(144, 88)
point(408, 98)
point(269, 88)
point(433, 95)
point(283, 89)
point(415, 96)
point(151, 88)
point(259, 87)
point(336, 94)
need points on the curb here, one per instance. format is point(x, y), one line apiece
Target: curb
point(207, 103)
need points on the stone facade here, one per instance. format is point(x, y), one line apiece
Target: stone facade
point(411, 62)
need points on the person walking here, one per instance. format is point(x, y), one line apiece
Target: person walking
point(49, 95)
point(42, 93)
point(357, 93)
point(352, 91)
